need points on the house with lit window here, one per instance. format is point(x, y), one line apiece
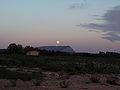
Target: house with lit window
point(32, 53)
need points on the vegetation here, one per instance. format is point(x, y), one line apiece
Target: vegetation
point(95, 79)
point(112, 80)
point(69, 64)
point(37, 82)
point(13, 75)
point(13, 83)
point(64, 84)
point(65, 64)
point(14, 49)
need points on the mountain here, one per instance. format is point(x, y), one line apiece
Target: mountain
point(57, 48)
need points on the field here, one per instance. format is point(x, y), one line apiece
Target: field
point(68, 64)
point(55, 72)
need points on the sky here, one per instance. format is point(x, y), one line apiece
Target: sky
point(85, 25)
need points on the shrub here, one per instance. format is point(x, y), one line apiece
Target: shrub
point(13, 83)
point(63, 76)
point(37, 82)
point(7, 74)
point(64, 84)
point(95, 79)
point(112, 80)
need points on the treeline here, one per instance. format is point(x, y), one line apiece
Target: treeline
point(14, 48)
point(100, 54)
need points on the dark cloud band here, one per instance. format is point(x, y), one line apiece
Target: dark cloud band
point(111, 25)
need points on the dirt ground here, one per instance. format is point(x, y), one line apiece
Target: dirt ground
point(62, 81)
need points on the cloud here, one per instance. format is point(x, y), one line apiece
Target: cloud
point(111, 26)
point(78, 5)
point(112, 36)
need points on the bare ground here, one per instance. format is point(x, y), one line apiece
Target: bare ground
point(53, 81)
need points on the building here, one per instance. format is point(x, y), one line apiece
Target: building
point(32, 53)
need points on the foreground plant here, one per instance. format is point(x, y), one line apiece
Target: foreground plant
point(13, 83)
point(95, 79)
point(64, 84)
point(113, 80)
point(37, 82)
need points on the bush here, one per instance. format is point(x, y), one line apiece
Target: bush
point(13, 83)
point(95, 79)
point(63, 75)
point(112, 80)
point(64, 84)
point(7, 74)
point(37, 82)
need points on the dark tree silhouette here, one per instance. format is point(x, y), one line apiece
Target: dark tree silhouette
point(15, 49)
point(27, 48)
point(12, 48)
point(20, 49)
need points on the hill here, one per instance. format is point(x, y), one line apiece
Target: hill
point(57, 48)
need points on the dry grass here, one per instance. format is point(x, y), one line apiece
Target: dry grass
point(75, 82)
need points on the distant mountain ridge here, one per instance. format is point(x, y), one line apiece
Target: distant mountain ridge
point(57, 48)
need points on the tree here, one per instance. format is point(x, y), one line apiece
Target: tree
point(19, 49)
point(15, 49)
point(27, 48)
point(12, 48)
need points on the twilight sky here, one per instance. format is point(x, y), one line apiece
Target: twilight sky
point(85, 25)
